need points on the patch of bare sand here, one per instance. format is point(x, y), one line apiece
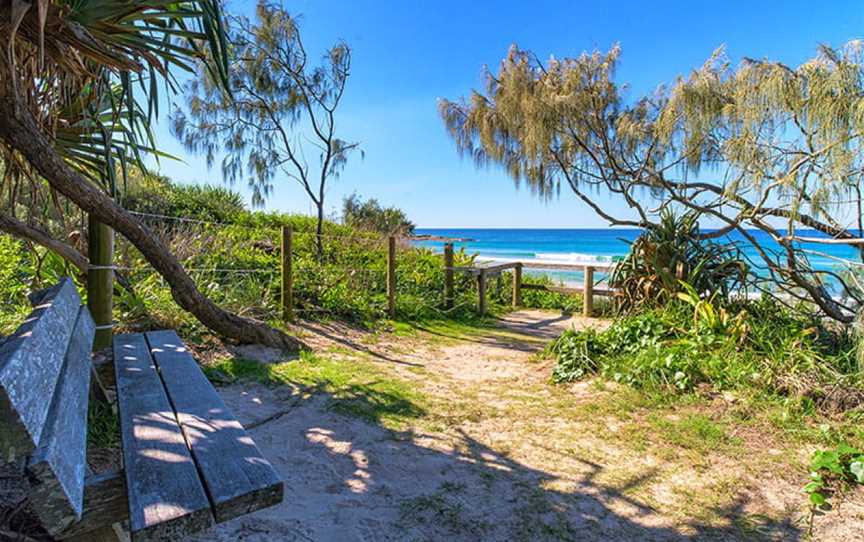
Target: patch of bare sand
point(348, 480)
point(521, 474)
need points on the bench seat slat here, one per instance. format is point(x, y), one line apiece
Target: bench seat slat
point(59, 463)
point(30, 363)
point(166, 498)
point(237, 477)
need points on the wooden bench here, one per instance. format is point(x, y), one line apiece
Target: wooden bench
point(187, 462)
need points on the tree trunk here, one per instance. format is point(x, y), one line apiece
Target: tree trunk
point(319, 231)
point(19, 130)
point(16, 228)
point(19, 229)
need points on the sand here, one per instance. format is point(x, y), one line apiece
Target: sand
point(347, 479)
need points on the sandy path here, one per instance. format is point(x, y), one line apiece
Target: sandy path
point(513, 476)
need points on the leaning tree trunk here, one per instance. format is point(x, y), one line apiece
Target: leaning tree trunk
point(19, 229)
point(18, 128)
point(16, 228)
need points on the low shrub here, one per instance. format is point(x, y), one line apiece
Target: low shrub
point(237, 263)
point(673, 253)
point(756, 345)
point(23, 270)
point(832, 471)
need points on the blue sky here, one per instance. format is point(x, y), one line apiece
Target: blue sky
point(408, 54)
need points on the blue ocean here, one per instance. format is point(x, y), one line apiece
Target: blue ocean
point(576, 246)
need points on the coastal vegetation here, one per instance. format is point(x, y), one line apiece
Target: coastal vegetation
point(671, 258)
point(76, 105)
point(232, 254)
point(735, 334)
point(369, 215)
point(273, 95)
point(757, 147)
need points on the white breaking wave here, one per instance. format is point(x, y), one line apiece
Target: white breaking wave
point(552, 258)
point(571, 257)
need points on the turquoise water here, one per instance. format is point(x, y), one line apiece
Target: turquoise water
point(577, 246)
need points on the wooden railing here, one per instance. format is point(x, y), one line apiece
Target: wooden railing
point(484, 272)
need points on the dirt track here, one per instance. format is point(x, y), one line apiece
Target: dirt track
point(514, 459)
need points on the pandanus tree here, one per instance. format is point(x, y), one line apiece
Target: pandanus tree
point(765, 150)
point(79, 85)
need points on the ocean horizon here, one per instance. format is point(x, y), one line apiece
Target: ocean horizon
point(599, 245)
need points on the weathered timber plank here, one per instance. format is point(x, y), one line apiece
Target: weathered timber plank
point(498, 267)
point(166, 499)
point(488, 268)
point(565, 290)
point(30, 362)
point(105, 505)
point(57, 467)
point(237, 477)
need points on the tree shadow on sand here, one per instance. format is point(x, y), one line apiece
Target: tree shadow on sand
point(347, 477)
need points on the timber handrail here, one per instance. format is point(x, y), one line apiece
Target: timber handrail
point(486, 269)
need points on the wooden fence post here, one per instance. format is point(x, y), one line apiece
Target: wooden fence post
point(100, 280)
point(287, 276)
point(448, 275)
point(481, 292)
point(391, 276)
point(588, 292)
point(517, 286)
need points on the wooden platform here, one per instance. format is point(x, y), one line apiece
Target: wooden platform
point(486, 270)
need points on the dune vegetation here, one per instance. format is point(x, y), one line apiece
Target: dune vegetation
point(703, 348)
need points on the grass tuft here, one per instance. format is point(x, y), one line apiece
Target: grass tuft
point(354, 387)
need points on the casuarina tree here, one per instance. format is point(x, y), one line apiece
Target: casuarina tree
point(764, 150)
point(277, 118)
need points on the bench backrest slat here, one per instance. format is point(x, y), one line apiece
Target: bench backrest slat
point(237, 477)
point(59, 463)
point(166, 498)
point(30, 362)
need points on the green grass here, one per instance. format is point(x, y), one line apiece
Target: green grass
point(103, 426)
point(695, 432)
point(354, 387)
point(457, 329)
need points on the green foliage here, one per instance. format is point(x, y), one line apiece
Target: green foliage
point(348, 282)
point(274, 93)
point(97, 110)
point(833, 470)
point(155, 194)
point(369, 215)
point(103, 426)
point(15, 270)
point(353, 387)
point(670, 254)
point(24, 269)
point(764, 348)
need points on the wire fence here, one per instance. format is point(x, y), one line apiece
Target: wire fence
point(346, 274)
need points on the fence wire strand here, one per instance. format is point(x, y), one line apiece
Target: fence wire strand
point(314, 278)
